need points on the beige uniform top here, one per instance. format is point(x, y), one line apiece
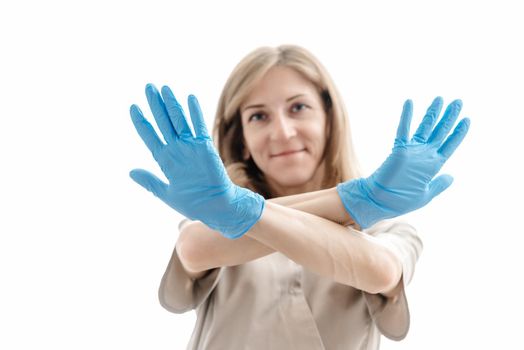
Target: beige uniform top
point(274, 303)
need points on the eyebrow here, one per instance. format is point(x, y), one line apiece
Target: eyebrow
point(262, 105)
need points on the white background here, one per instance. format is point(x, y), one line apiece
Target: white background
point(83, 248)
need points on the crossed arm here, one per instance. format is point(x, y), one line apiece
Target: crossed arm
point(309, 229)
point(306, 228)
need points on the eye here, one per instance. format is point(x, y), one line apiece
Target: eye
point(297, 107)
point(256, 117)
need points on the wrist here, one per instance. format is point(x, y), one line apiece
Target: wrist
point(242, 213)
point(336, 206)
point(358, 203)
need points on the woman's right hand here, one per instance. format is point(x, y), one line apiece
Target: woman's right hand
point(198, 186)
point(406, 180)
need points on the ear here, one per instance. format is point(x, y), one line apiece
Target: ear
point(245, 153)
point(329, 126)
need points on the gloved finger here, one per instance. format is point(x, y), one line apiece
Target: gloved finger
point(425, 127)
point(438, 185)
point(145, 130)
point(455, 139)
point(149, 181)
point(446, 123)
point(197, 118)
point(405, 122)
point(160, 113)
point(176, 113)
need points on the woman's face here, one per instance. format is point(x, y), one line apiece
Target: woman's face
point(284, 123)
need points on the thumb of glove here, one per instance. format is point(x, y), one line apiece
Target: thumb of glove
point(438, 185)
point(149, 181)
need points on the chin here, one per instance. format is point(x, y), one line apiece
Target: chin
point(292, 179)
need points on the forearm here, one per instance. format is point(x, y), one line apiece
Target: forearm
point(208, 248)
point(205, 248)
point(347, 256)
point(324, 203)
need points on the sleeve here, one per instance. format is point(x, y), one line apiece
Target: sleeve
point(391, 315)
point(179, 293)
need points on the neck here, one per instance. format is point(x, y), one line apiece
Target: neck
point(314, 184)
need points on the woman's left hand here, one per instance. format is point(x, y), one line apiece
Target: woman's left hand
point(199, 187)
point(406, 180)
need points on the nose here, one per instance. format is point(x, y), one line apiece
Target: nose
point(283, 127)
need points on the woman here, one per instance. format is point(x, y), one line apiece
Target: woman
point(290, 248)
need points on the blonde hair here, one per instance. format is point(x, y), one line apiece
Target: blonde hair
point(340, 159)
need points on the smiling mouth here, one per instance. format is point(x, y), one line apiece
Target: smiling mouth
point(287, 153)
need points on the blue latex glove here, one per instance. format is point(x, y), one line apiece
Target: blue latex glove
point(199, 187)
point(405, 181)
